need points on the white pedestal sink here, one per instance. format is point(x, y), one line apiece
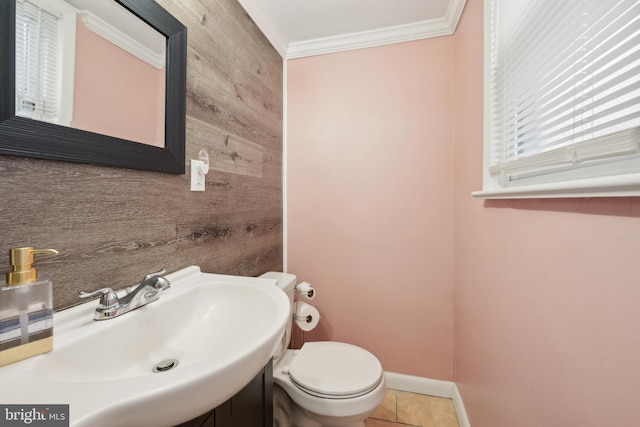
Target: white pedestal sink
point(220, 329)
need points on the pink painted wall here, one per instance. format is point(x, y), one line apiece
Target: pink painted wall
point(116, 93)
point(370, 199)
point(547, 292)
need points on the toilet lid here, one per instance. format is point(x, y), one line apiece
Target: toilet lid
point(333, 369)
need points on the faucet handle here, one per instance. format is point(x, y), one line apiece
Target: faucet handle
point(154, 274)
point(160, 283)
point(108, 298)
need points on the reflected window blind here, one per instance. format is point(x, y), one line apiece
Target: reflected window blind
point(37, 75)
point(565, 84)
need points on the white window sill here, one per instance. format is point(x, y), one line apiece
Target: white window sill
point(617, 186)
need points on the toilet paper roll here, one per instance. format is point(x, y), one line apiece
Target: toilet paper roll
point(306, 316)
point(305, 290)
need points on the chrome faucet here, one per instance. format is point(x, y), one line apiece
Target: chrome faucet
point(147, 291)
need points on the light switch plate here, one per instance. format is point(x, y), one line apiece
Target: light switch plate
point(197, 179)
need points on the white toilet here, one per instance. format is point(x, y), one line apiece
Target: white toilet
point(324, 384)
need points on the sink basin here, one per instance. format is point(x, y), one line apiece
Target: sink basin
point(210, 333)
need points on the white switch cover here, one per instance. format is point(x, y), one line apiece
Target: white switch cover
point(197, 179)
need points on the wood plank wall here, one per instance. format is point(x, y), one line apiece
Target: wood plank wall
point(114, 225)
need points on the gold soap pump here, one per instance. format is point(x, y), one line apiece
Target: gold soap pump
point(26, 308)
point(21, 260)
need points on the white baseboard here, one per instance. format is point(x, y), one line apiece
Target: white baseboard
point(431, 387)
point(463, 420)
point(419, 385)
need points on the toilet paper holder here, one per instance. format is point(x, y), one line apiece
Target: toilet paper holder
point(305, 289)
point(307, 318)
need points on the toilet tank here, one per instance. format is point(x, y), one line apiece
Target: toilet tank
point(286, 282)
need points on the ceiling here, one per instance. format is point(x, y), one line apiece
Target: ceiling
point(299, 28)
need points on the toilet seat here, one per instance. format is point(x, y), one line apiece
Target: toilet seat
point(335, 370)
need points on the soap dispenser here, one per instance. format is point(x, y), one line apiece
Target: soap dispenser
point(26, 308)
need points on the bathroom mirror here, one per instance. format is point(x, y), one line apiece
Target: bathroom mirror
point(22, 136)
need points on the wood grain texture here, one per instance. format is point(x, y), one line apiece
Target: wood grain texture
point(113, 225)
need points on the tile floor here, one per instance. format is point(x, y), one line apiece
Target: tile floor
point(403, 409)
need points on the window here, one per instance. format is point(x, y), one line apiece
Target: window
point(45, 58)
point(562, 98)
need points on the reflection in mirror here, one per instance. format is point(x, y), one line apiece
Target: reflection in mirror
point(34, 132)
point(92, 66)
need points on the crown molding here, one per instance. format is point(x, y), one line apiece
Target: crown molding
point(122, 40)
point(397, 34)
point(263, 20)
point(365, 39)
point(402, 33)
point(454, 13)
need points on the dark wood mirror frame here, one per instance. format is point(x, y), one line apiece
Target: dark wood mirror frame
point(31, 138)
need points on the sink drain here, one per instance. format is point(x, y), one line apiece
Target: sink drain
point(165, 365)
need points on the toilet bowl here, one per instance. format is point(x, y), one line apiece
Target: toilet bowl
point(332, 383)
point(325, 383)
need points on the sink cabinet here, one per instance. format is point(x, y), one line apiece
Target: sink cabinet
point(250, 407)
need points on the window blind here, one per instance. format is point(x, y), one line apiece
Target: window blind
point(565, 86)
point(37, 53)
